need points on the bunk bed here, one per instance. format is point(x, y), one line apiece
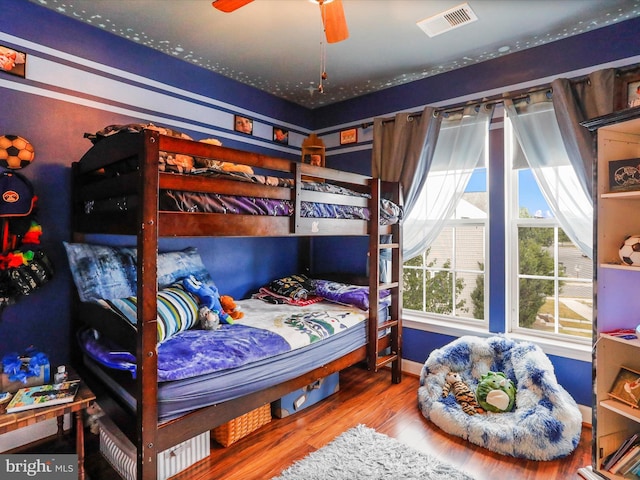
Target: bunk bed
point(120, 187)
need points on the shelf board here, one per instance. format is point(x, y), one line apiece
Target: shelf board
point(621, 409)
point(633, 342)
point(619, 266)
point(628, 195)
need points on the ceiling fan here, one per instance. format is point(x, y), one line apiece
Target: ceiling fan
point(331, 11)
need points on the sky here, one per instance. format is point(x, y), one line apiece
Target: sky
point(530, 196)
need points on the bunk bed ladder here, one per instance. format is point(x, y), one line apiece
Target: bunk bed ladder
point(385, 341)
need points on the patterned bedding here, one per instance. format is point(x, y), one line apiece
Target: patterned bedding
point(214, 203)
point(192, 202)
point(265, 331)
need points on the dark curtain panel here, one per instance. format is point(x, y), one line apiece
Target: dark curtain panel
point(403, 149)
point(575, 101)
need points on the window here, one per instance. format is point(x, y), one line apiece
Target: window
point(549, 278)
point(447, 279)
point(547, 286)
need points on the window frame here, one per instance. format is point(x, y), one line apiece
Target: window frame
point(512, 274)
point(460, 320)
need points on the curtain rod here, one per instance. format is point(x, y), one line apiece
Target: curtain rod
point(493, 100)
point(514, 96)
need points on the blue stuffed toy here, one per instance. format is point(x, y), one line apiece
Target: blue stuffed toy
point(209, 297)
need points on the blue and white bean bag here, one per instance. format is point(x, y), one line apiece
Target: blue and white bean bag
point(545, 423)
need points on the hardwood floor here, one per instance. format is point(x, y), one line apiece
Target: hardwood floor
point(364, 398)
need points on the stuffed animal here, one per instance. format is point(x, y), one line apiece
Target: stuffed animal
point(208, 296)
point(93, 413)
point(496, 393)
point(229, 306)
point(227, 166)
point(462, 393)
point(208, 319)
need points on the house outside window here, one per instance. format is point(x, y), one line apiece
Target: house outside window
point(448, 279)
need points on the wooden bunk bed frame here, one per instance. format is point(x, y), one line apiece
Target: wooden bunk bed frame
point(147, 223)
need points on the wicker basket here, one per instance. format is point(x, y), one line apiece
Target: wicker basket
point(242, 426)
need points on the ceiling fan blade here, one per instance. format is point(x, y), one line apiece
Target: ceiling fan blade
point(229, 6)
point(334, 21)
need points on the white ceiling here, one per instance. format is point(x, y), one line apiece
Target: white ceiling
point(275, 45)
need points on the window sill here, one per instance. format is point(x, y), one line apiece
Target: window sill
point(557, 348)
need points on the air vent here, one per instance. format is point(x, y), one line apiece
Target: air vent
point(445, 21)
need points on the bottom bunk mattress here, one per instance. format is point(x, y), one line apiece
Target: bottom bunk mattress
point(270, 345)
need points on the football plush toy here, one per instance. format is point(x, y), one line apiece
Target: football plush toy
point(630, 251)
point(15, 152)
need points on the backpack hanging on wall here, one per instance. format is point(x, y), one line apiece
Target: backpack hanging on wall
point(22, 268)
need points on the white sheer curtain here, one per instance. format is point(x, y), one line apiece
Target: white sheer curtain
point(536, 128)
point(460, 145)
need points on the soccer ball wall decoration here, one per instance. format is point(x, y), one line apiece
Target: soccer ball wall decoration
point(630, 251)
point(15, 152)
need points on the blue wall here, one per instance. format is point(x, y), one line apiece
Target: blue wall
point(54, 113)
point(66, 94)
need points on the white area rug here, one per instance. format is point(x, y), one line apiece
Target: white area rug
point(361, 453)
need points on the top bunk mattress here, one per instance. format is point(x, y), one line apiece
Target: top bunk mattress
point(170, 200)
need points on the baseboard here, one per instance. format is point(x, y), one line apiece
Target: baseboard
point(31, 433)
point(414, 368)
point(586, 414)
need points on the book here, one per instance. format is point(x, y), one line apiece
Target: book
point(622, 449)
point(43, 396)
point(634, 471)
point(626, 459)
point(631, 466)
point(588, 473)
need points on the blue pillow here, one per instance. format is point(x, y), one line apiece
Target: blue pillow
point(106, 272)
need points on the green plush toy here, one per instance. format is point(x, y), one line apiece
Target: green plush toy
point(496, 393)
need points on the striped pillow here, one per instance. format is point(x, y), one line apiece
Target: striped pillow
point(177, 310)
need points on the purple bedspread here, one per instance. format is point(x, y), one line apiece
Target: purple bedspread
point(265, 331)
point(196, 351)
point(193, 352)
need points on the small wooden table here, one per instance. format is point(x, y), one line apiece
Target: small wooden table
point(15, 421)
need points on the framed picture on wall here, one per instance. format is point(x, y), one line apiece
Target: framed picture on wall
point(628, 90)
point(633, 94)
point(12, 61)
point(349, 136)
point(626, 387)
point(281, 135)
point(243, 124)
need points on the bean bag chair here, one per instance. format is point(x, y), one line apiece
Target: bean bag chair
point(545, 423)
